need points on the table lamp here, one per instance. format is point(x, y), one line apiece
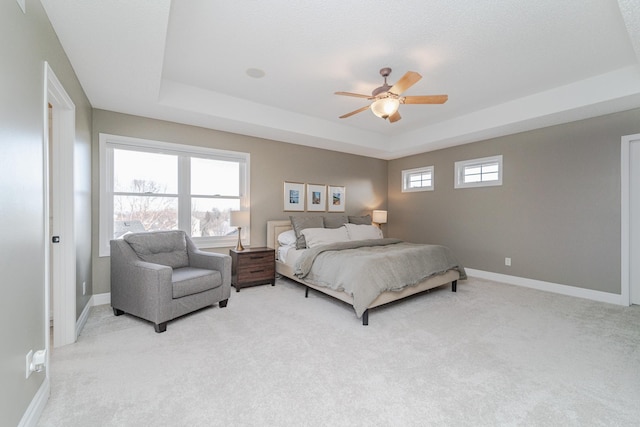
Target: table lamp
point(239, 219)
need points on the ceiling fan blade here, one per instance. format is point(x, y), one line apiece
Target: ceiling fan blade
point(408, 80)
point(394, 117)
point(357, 95)
point(360, 110)
point(429, 99)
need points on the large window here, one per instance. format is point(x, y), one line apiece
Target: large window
point(149, 185)
point(482, 172)
point(418, 179)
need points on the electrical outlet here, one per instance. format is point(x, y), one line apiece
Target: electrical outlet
point(507, 262)
point(84, 288)
point(29, 360)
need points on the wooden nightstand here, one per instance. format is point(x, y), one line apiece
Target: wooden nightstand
point(253, 266)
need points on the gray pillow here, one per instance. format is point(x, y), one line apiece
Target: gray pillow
point(160, 247)
point(299, 223)
point(335, 221)
point(361, 220)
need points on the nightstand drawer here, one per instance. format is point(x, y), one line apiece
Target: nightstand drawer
point(255, 272)
point(265, 258)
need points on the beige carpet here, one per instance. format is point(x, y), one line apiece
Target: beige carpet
point(490, 354)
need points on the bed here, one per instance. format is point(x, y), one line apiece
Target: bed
point(290, 266)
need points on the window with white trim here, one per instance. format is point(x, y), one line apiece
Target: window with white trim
point(418, 179)
point(150, 185)
point(483, 172)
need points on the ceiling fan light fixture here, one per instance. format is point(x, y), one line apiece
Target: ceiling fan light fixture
point(385, 107)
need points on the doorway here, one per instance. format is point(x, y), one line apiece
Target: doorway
point(630, 184)
point(60, 258)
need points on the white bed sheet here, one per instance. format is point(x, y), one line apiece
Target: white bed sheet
point(289, 255)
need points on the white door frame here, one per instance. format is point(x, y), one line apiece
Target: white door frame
point(625, 185)
point(60, 258)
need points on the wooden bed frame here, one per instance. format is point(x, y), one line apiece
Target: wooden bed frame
point(274, 228)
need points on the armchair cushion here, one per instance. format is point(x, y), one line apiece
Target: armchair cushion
point(189, 281)
point(160, 247)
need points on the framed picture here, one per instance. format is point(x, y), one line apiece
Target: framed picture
point(316, 198)
point(337, 198)
point(293, 196)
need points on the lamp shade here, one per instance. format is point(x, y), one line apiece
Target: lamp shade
point(379, 217)
point(239, 219)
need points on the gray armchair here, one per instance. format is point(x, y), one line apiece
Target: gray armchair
point(161, 275)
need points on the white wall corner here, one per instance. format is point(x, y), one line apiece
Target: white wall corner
point(100, 299)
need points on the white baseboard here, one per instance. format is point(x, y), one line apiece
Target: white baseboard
point(98, 299)
point(548, 286)
point(32, 414)
point(101, 299)
point(83, 318)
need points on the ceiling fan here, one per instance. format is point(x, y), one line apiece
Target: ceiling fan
point(387, 98)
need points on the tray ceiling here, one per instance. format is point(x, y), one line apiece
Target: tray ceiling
point(506, 66)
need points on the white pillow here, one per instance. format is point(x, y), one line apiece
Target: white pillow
point(363, 232)
point(324, 236)
point(287, 238)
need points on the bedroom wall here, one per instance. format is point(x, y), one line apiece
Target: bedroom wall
point(272, 163)
point(557, 214)
point(27, 41)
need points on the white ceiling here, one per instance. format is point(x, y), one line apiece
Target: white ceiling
point(507, 65)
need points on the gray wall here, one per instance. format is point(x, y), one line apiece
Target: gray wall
point(27, 41)
point(557, 214)
point(272, 163)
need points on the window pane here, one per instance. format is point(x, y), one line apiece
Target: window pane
point(140, 172)
point(490, 176)
point(210, 217)
point(215, 177)
point(490, 168)
point(144, 213)
point(472, 170)
point(472, 178)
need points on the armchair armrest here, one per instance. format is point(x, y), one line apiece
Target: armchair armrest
point(141, 288)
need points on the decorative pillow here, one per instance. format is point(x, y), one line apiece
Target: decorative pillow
point(335, 221)
point(299, 223)
point(324, 236)
point(160, 247)
point(287, 238)
point(363, 232)
point(364, 219)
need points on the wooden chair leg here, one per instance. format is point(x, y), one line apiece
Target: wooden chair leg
point(160, 327)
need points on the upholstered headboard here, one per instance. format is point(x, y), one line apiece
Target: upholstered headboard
point(274, 228)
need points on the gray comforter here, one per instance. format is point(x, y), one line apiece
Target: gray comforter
point(366, 268)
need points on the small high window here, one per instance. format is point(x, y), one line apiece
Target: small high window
point(418, 179)
point(483, 172)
